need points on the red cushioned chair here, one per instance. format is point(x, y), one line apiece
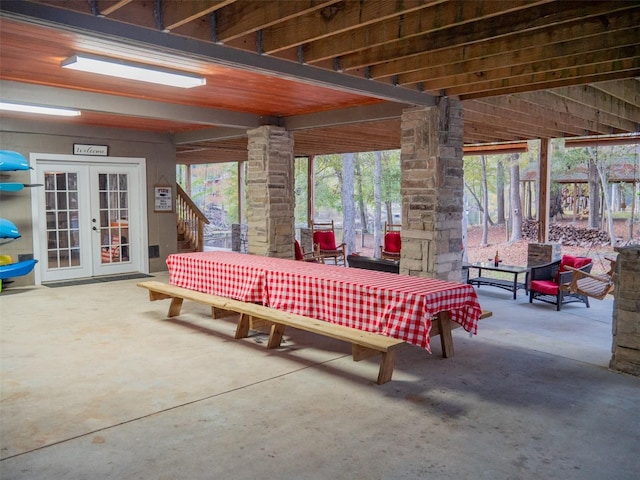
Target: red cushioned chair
point(550, 283)
point(392, 243)
point(324, 244)
point(301, 255)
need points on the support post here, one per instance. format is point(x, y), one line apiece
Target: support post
point(544, 177)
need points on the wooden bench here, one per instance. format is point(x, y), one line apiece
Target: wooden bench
point(364, 344)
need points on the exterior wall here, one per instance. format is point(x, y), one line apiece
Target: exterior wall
point(432, 188)
point(49, 137)
point(626, 312)
point(270, 196)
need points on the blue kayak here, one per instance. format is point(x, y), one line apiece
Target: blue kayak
point(10, 161)
point(17, 269)
point(8, 229)
point(16, 187)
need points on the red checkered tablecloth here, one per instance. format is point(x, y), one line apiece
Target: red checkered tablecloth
point(399, 306)
point(233, 275)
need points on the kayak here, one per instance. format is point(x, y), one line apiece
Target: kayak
point(10, 161)
point(17, 269)
point(8, 229)
point(16, 187)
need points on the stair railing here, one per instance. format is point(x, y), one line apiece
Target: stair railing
point(190, 220)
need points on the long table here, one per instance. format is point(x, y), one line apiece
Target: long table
point(398, 306)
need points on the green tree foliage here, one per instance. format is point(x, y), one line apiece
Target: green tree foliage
point(328, 176)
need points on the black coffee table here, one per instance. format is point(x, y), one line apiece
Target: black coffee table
point(511, 285)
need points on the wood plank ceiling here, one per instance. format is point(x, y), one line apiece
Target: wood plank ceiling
point(337, 73)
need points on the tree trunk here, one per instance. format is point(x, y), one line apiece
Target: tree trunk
point(348, 203)
point(594, 195)
point(362, 206)
point(377, 200)
point(478, 203)
point(516, 208)
point(485, 204)
point(500, 192)
point(607, 203)
point(389, 209)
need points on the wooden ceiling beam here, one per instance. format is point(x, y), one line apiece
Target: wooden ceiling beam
point(115, 6)
point(177, 13)
point(539, 56)
point(249, 16)
point(510, 105)
point(611, 70)
point(600, 116)
point(550, 67)
point(517, 124)
point(519, 23)
point(602, 141)
point(483, 133)
point(335, 19)
point(526, 127)
point(432, 18)
point(496, 149)
point(601, 101)
point(135, 13)
point(627, 91)
point(514, 49)
point(562, 106)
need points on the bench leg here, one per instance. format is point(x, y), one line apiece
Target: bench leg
point(242, 330)
point(386, 367)
point(446, 340)
point(217, 313)
point(275, 336)
point(175, 307)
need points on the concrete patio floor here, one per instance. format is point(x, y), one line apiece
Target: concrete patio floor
point(98, 384)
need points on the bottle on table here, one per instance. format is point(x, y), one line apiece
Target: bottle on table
point(496, 260)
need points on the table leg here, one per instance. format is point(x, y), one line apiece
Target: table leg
point(446, 340)
point(515, 285)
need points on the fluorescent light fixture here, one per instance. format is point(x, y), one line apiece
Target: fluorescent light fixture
point(22, 107)
point(132, 71)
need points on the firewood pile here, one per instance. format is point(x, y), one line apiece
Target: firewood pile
point(567, 235)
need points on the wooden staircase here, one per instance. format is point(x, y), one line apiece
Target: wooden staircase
point(190, 223)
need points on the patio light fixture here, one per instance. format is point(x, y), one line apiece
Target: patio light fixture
point(39, 109)
point(132, 71)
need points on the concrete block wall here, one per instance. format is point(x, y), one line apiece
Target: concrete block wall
point(432, 188)
point(270, 198)
point(626, 312)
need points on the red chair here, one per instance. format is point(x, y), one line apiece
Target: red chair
point(301, 255)
point(324, 244)
point(550, 283)
point(390, 249)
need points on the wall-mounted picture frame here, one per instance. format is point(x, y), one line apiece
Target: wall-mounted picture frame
point(163, 196)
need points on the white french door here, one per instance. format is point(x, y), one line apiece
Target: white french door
point(90, 217)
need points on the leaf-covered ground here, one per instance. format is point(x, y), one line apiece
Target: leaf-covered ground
point(516, 253)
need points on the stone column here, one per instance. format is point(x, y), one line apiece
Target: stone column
point(432, 188)
point(626, 312)
point(270, 196)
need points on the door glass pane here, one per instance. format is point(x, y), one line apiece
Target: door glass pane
point(114, 217)
point(61, 212)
